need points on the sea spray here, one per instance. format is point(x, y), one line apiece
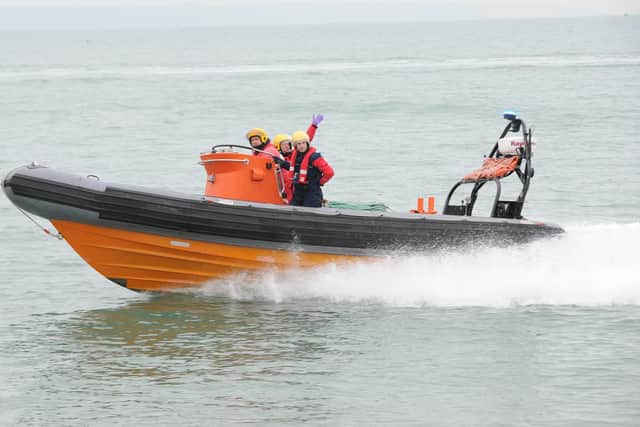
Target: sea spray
point(590, 265)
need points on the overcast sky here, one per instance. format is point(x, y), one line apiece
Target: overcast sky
point(72, 14)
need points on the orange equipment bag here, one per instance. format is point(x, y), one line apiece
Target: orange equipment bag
point(493, 168)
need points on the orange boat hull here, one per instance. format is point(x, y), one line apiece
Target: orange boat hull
point(148, 262)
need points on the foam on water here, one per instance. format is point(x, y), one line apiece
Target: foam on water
point(391, 64)
point(591, 265)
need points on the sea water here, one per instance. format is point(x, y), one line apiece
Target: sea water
point(545, 334)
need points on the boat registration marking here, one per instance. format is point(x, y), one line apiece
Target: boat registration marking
point(180, 244)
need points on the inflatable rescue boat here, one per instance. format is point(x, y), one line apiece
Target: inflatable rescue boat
point(148, 240)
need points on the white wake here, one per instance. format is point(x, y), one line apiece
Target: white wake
point(590, 265)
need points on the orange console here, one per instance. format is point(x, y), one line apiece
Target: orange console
point(239, 176)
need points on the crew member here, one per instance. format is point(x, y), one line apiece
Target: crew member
point(310, 172)
point(283, 144)
point(259, 140)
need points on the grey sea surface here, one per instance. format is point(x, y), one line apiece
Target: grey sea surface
point(542, 334)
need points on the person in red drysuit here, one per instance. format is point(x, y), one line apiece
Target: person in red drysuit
point(259, 140)
point(310, 172)
point(283, 144)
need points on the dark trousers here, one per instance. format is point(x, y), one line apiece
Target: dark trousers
point(307, 195)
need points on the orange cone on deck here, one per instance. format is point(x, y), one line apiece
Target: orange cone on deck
point(431, 210)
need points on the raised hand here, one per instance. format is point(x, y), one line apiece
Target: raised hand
point(316, 119)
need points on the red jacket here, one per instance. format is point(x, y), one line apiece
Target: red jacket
point(287, 175)
point(269, 152)
point(311, 159)
point(311, 131)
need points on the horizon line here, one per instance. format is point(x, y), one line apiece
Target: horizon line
point(199, 26)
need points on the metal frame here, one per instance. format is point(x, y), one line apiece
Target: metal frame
point(244, 147)
point(524, 171)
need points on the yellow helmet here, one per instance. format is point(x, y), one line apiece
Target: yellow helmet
point(258, 132)
point(279, 139)
point(299, 136)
